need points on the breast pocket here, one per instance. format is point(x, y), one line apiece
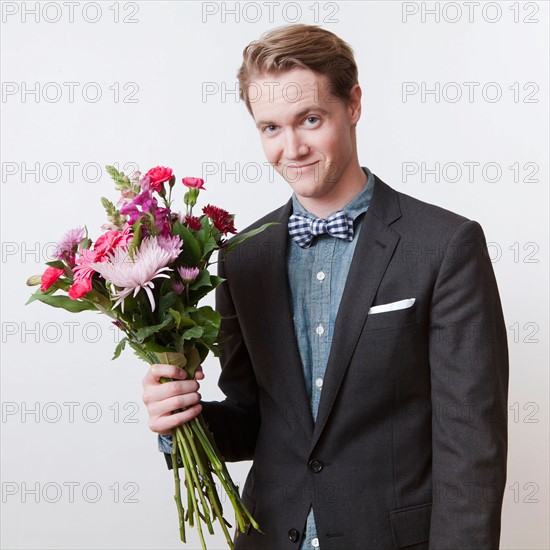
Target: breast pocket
point(393, 318)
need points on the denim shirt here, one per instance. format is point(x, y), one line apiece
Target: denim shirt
point(317, 276)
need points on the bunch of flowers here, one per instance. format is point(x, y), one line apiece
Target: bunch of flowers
point(148, 271)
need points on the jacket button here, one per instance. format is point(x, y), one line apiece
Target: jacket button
point(293, 535)
point(315, 466)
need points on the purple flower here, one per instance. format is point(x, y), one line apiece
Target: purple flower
point(171, 244)
point(177, 287)
point(144, 203)
point(65, 248)
point(188, 274)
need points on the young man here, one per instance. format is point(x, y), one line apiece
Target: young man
point(365, 362)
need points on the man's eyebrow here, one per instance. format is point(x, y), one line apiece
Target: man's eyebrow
point(300, 114)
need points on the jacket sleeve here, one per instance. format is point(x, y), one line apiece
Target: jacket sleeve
point(469, 392)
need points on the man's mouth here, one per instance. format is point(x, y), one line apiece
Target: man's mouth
point(300, 166)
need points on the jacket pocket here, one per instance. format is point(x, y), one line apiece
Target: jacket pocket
point(411, 525)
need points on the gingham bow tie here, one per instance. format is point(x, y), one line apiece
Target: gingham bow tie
point(304, 228)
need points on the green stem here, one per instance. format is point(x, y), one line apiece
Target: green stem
point(177, 495)
point(195, 479)
point(190, 486)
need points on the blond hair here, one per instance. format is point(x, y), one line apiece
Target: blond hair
point(305, 46)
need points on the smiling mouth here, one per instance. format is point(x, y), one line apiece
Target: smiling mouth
point(301, 166)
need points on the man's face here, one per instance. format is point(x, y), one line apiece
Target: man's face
point(307, 134)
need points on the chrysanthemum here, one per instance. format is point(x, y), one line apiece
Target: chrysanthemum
point(188, 274)
point(65, 247)
point(129, 274)
point(222, 219)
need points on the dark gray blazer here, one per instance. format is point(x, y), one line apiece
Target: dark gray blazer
point(409, 447)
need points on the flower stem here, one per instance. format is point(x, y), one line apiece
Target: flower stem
point(189, 479)
point(177, 496)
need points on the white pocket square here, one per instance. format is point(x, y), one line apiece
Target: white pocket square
point(393, 306)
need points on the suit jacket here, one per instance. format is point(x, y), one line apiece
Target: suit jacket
point(410, 443)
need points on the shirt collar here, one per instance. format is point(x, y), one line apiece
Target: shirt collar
point(358, 205)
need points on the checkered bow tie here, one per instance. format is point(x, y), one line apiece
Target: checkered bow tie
point(304, 228)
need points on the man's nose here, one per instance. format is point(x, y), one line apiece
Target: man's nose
point(294, 147)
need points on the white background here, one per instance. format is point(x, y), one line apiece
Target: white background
point(161, 56)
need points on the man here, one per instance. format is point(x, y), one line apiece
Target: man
point(365, 357)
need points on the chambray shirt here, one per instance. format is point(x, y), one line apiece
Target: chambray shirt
point(317, 276)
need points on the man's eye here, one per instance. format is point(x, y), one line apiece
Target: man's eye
point(312, 120)
point(269, 129)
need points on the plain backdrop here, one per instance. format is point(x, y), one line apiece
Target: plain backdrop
point(455, 112)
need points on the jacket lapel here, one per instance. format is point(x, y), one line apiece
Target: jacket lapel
point(288, 389)
point(375, 246)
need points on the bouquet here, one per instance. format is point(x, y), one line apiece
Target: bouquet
point(148, 271)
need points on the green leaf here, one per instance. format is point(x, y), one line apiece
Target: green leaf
point(203, 279)
point(181, 320)
point(136, 230)
point(139, 352)
point(210, 321)
point(120, 346)
point(191, 253)
point(172, 358)
point(193, 360)
point(57, 264)
point(145, 332)
point(193, 332)
point(64, 302)
point(209, 246)
point(241, 237)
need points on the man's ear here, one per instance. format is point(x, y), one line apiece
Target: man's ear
point(354, 104)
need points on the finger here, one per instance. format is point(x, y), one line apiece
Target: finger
point(167, 406)
point(199, 375)
point(157, 371)
point(164, 424)
point(159, 392)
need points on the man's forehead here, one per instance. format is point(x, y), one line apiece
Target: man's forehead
point(291, 94)
point(298, 79)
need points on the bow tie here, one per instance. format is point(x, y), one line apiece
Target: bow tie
point(304, 228)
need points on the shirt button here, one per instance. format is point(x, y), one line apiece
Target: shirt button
point(320, 330)
point(319, 383)
point(315, 543)
point(320, 276)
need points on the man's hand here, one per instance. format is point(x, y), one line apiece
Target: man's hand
point(161, 399)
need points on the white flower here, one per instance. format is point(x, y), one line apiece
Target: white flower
point(150, 262)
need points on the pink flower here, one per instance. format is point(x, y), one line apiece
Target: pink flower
point(188, 274)
point(49, 277)
point(106, 244)
point(158, 176)
point(194, 183)
point(65, 249)
point(171, 244)
point(103, 247)
point(150, 261)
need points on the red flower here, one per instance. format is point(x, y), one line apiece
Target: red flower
point(223, 220)
point(80, 288)
point(194, 183)
point(158, 176)
point(193, 222)
point(49, 277)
